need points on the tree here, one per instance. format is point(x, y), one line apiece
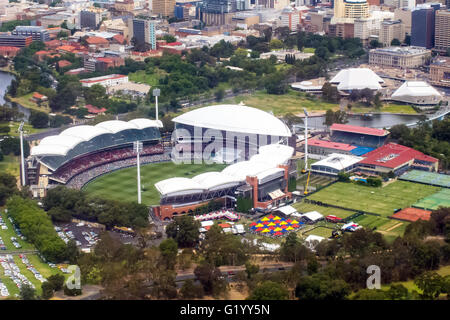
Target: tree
point(276, 83)
point(211, 279)
point(39, 119)
point(47, 290)
point(184, 230)
point(269, 290)
point(322, 52)
point(190, 290)
point(27, 293)
point(330, 93)
point(275, 44)
point(219, 94)
point(375, 44)
point(395, 42)
point(370, 294)
point(335, 117)
point(321, 287)
point(431, 283)
point(8, 187)
point(251, 269)
point(397, 292)
point(169, 251)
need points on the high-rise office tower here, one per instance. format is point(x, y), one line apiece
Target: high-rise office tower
point(164, 8)
point(143, 31)
point(423, 25)
point(442, 30)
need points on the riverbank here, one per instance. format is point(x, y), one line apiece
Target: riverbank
point(25, 102)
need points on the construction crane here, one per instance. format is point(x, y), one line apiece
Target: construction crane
point(307, 183)
point(22, 162)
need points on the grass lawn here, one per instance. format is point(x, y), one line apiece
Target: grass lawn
point(10, 164)
point(27, 128)
point(121, 184)
point(320, 231)
point(399, 194)
point(307, 207)
point(143, 77)
point(25, 101)
point(309, 50)
point(291, 102)
point(7, 234)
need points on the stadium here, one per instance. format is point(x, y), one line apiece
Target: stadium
point(262, 180)
point(228, 132)
point(81, 153)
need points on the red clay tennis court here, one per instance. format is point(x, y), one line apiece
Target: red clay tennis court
point(412, 214)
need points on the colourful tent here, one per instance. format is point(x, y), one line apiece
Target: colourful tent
point(278, 233)
point(270, 217)
point(283, 223)
point(260, 225)
point(294, 222)
point(289, 228)
point(276, 218)
point(259, 229)
point(295, 225)
point(278, 229)
point(265, 230)
point(271, 224)
point(271, 228)
point(265, 222)
point(288, 220)
point(283, 227)
point(265, 219)
point(252, 224)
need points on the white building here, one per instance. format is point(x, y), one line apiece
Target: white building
point(417, 92)
point(290, 17)
point(335, 163)
point(357, 78)
point(106, 81)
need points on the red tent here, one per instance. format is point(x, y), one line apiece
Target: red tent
point(295, 226)
point(288, 220)
point(259, 229)
point(253, 224)
point(270, 217)
point(278, 233)
point(283, 227)
point(272, 227)
point(266, 222)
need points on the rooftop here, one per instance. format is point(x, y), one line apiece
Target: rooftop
point(392, 155)
point(330, 144)
point(357, 129)
point(357, 78)
point(337, 161)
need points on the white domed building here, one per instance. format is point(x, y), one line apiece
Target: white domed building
point(417, 92)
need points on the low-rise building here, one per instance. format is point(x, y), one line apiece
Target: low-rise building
point(440, 72)
point(399, 57)
point(106, 81)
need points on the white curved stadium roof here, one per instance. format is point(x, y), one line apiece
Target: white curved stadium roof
point(61, 144)
point(84, 132)
point(143, 123)
point(235, 118)
point(178, 186)
point(416, 89)
point(216, 180)
point(357, 78)
point(115, 126)
point(232, 175)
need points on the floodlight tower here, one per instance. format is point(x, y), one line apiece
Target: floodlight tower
point(22, 161)
point(156, 93)
point(137, 147)
point(306, 140)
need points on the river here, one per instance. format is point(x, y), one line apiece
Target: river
point(380, 121)
point(5, 81)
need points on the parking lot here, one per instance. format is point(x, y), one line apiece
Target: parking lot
point(85, 236)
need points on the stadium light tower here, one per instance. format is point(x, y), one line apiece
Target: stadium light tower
point(22, 161)
point(306, 140)
point(156, 93)
point(137, 147)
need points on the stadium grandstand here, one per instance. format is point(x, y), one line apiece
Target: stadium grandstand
point(221, 128)
point(262, 180)
point(358, 136)
point(335, 163)
point(398, 159)
point(59, 159)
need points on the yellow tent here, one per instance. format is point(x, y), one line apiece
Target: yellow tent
point(271, 224)
point(265, 219)
point(283, 223)
point(266, 230)
point(259, 225)
point(294, 222)
point(276, 218)
point(277, 229)
point(289, 228)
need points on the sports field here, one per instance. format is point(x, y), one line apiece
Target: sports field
point(326, 211)
point(399, 194)
point(434, 201)
point(433, 178)
point(121, 184)
point(320, 231)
